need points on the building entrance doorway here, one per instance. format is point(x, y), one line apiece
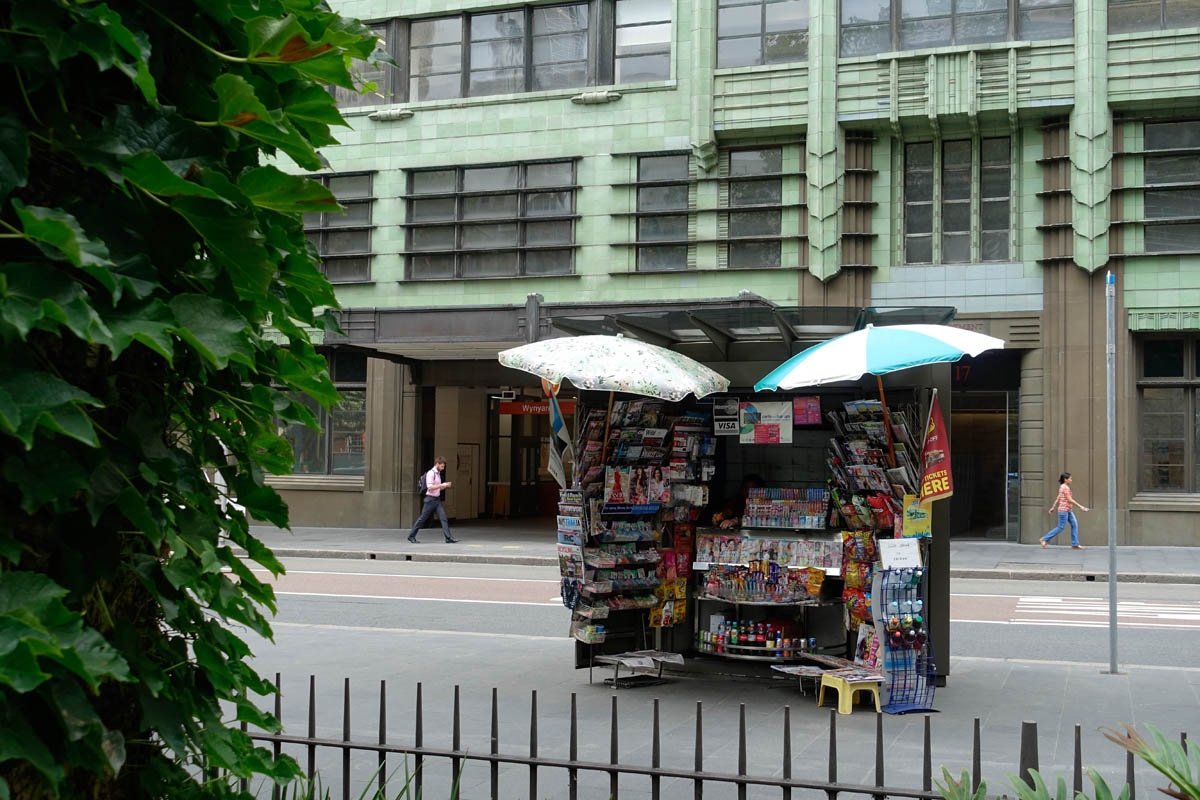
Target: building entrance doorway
point(984, 455)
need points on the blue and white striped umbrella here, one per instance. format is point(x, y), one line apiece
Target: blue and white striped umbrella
point(876, 351)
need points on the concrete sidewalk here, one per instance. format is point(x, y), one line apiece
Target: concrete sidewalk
point(532, 542)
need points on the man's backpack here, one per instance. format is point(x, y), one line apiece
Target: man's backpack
point(421, 485)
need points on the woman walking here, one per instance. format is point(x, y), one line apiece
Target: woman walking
point(1066, 516)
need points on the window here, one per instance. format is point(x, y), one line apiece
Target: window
point(538, 48)
point(867, 27)
point(663, 188)
point(1130, 16)
point(1169, 414)
point(339, 447)
point(382, 75)
point(343, 238)
point(491, 221)
point(968, 182)
point(754, 222)
point(1171, 162)
point(752, 32)
point(642, 50)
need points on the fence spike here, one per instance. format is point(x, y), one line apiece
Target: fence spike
point(277, 746)
point(495, 744)
point(741, 750)
point(346, 738)
point(976, 759)
point(1078, 770)
point(573, 752)
point(698, 782)
point(1130, 778)
point(533, 745)
point(879, 754)
point(312, 725)
point(381, 782)
point(244, 783)
point(832, 793)
point(927, 767)
point(787, 751)
point(456, 736)
point(419, 742)
point(613, 751)
point(1029, 752)
point(655, 753)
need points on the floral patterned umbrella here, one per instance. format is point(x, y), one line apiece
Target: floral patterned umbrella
point(616, 364)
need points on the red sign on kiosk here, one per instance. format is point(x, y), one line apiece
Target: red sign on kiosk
point(936, 482)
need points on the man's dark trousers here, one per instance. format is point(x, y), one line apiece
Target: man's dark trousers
point(431, 506)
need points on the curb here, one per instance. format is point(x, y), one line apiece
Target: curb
point(366, 555)
point(547, 561)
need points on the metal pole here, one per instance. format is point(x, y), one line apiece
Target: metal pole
point(1110, 357)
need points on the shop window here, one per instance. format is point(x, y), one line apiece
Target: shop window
point(491, 221)
point(754, 201)
point(662, 212)
point(339, 447)
point(968, 183)
point(343, 239)
point(752, 32)
point(1131, 16)
point(878, 26)
point(1169, 414)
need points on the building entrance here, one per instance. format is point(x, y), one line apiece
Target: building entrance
point(986, 496)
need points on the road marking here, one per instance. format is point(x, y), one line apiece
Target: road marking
point(557, 601)
point(456, 634)
point(406, 575)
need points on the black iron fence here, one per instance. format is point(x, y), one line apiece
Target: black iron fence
point(415, 783)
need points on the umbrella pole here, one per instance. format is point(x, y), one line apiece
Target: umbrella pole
point(887, 423)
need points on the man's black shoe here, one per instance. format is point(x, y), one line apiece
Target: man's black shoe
point(452, 540)
point(412, 537)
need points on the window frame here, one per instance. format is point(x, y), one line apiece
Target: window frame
point(687, 212)
point(1016, 29)
point(1162, 18)
point(521, 219)
point(387, 89)
point(325, 434)
point(323, 230)
point(762, 35)
point(731, 245)
point(938, 202)
point(1190, 184)
point(1189, 383)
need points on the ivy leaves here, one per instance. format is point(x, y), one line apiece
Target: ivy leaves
point(147, 246)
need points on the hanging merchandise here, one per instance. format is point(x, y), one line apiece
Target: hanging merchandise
point(908, 661)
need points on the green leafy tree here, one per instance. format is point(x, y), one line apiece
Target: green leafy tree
point(156, 299)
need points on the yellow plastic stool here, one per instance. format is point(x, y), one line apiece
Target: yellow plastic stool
point(847, 691)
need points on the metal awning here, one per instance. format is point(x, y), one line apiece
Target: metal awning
point(746, 332)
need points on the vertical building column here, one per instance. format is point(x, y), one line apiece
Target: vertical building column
point(824, 204)
point(391, 475)
point(698, 66)
point(1091, 137)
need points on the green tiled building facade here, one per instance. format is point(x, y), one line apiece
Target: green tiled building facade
point(527, 170)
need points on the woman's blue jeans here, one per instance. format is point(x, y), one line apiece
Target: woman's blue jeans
point(1065, 518)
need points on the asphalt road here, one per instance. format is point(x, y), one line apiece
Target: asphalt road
point(1021, 650)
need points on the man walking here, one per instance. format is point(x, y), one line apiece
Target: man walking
point(432, 504)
